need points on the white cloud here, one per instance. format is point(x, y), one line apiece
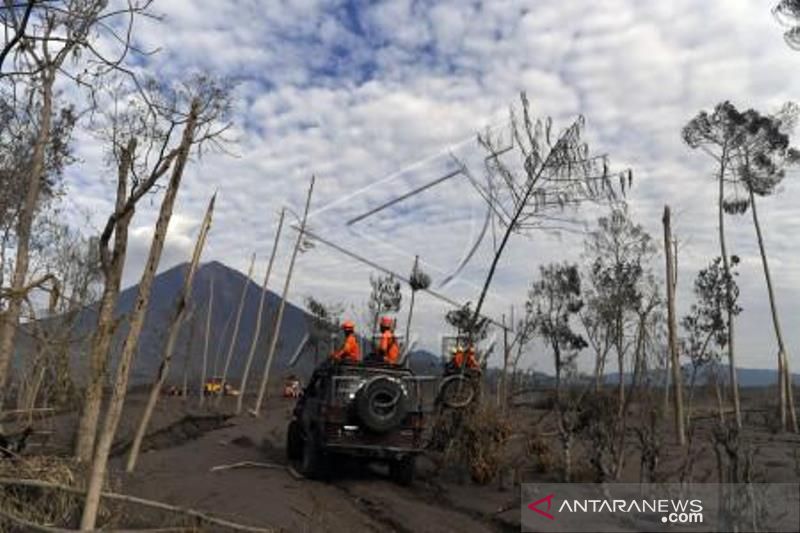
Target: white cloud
point(354, 91)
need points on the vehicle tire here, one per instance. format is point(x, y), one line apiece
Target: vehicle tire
point(381, 404)
point(294, 442)
point(402, 470)
point(457, 391)
point(312, 461)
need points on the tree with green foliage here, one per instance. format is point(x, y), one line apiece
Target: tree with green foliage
point(323, 324)
point(762, 160)
point(386, 297)
point(418, 280)
point(721, 135)
point(618, 253)
point(554, 301)
point(706, 325)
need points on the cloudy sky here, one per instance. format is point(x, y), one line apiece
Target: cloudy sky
point(375, 99)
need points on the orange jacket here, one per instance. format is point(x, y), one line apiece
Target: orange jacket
point(458, 359)
point(388, 347)
point(349, 351)
point(472, 362)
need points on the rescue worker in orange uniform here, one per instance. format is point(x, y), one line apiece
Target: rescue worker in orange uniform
point(457, 358)
point(461, 357)
point(388, 349)
point(470, 359)
point(350, 351)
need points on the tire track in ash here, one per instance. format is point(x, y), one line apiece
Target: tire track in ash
point(406, 510)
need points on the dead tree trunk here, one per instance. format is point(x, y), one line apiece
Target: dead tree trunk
point(204, 372)
point(192, 319)
point(672, 329)
point(259, 316)
point(273, 345)
point(9, 319)
point(726, 264)
point(181, 305)
point(502, 393)
point(106, 324)
point(235, 336)
point(100, 461)
point(784, 385)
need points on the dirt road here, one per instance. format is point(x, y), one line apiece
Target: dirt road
point(360, 499)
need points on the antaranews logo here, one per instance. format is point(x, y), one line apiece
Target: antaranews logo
point(535, 506)
point(660, 507)
point(676, 511)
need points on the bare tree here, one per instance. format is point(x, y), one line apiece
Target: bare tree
point(181, 307)
point(672, 326)
point(235, 336)
point(14, 26)
point(46, 41)
point(552, 173)
point(208, 103)
point(206, 338)
point(259, 315)
point(273, 345)
point(142, 138)
point(191, 318)
point(524, 333)
point(719, 135)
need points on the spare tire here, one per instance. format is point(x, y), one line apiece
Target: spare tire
point(381, 404)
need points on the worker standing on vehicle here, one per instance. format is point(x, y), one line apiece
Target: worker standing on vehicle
point(457, 356)
point(388, 349)
point(470, 359)
point(349, 352)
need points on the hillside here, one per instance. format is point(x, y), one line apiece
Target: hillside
point(227, 291)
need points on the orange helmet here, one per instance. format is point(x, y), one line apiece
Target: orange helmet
point(386, 322)
point(347, 325)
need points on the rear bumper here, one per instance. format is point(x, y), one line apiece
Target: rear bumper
point(374, 452)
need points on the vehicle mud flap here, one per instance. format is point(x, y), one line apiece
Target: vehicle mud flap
point(402, 470)
point(312, 461)
point(294, 442)
point(457, 391)
point(381, 404)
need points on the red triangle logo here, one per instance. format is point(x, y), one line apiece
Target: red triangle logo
point(534, 506)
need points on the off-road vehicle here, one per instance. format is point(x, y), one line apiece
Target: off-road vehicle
point(370, 410)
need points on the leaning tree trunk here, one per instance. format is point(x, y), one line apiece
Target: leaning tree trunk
point(259, 316)
point(672, 331)
point(207, 335)
point(9, 319)
point(502, 390)
point(729, 304)
point(181, 304)
point(235, 336)
point(273, 345)
point(187, 356)
point(784, 385)
point(106, 439)
point(106, 324)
